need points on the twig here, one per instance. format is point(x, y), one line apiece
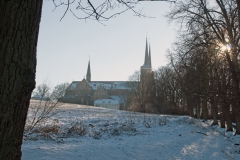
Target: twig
point(201, 133)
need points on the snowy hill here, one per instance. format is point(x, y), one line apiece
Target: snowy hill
point(82, 132)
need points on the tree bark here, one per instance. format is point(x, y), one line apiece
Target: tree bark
point(237, 119)
point(238, 9)
point(228, 117)
point(198, 108)
point(204, 108)
point(222, 120)
point(189, 107)
point(234, 69)
point(19, 29)
point(214, 110)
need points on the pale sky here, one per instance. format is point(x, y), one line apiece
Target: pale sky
point(116, 50)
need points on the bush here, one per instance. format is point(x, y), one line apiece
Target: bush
point(78, 128)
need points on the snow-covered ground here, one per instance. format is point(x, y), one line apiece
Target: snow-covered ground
point(78, 132)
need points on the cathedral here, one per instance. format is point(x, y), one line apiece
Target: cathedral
point(146, 68)
point(107, 94)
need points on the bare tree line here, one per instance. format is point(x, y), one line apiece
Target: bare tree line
point(208, 54)
point(202, 78)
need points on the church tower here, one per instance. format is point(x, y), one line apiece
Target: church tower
point(147, 82)
point(88, 76)
point(149, 58)
point(146, 68)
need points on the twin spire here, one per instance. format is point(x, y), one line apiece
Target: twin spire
point(147, 61)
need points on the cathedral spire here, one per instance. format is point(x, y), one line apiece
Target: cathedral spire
point(146, 55)
point(149, 57)
point(88, 76)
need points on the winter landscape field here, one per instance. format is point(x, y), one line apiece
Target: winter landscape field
point(78, 132)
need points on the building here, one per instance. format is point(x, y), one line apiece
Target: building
point(107, 103)
point(108, 94)
point(85, 92)
point(146, 68)
point(147, 74)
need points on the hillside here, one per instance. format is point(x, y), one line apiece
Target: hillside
point(82, 132)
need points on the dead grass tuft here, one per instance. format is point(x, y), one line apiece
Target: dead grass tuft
point(47, 129)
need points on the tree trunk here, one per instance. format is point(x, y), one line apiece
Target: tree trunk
point(238, 6)
point(237, 119)
point(222, 120)
point(204, 108)
point(228, 117)
point(234, 68)
point(214, 110)
point(198, 108)
point(18, 42)
point(235, 111)
point(189, 106)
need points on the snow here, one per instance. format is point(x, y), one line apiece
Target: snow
point(113, 134)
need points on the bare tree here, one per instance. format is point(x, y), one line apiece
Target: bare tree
point(42, 90)
point(48, 102)
point(60, 90)
point(168, 91)
point(142, 92)
point(101, 10)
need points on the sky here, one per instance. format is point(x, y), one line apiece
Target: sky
point(116, 48)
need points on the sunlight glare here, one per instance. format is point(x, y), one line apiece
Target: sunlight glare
point(225, 47)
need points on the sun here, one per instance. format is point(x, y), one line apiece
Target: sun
point(225, 47)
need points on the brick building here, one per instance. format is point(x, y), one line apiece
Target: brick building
point(90, 92)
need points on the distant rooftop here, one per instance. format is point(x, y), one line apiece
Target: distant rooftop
point(106, 84)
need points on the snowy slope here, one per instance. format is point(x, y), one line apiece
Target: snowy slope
point(83, 132)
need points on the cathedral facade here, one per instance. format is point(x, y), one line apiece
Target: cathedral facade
point(108, 94)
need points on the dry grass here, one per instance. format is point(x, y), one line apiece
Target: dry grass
point(47, 129)
point(78, 128)
point(55, 128)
